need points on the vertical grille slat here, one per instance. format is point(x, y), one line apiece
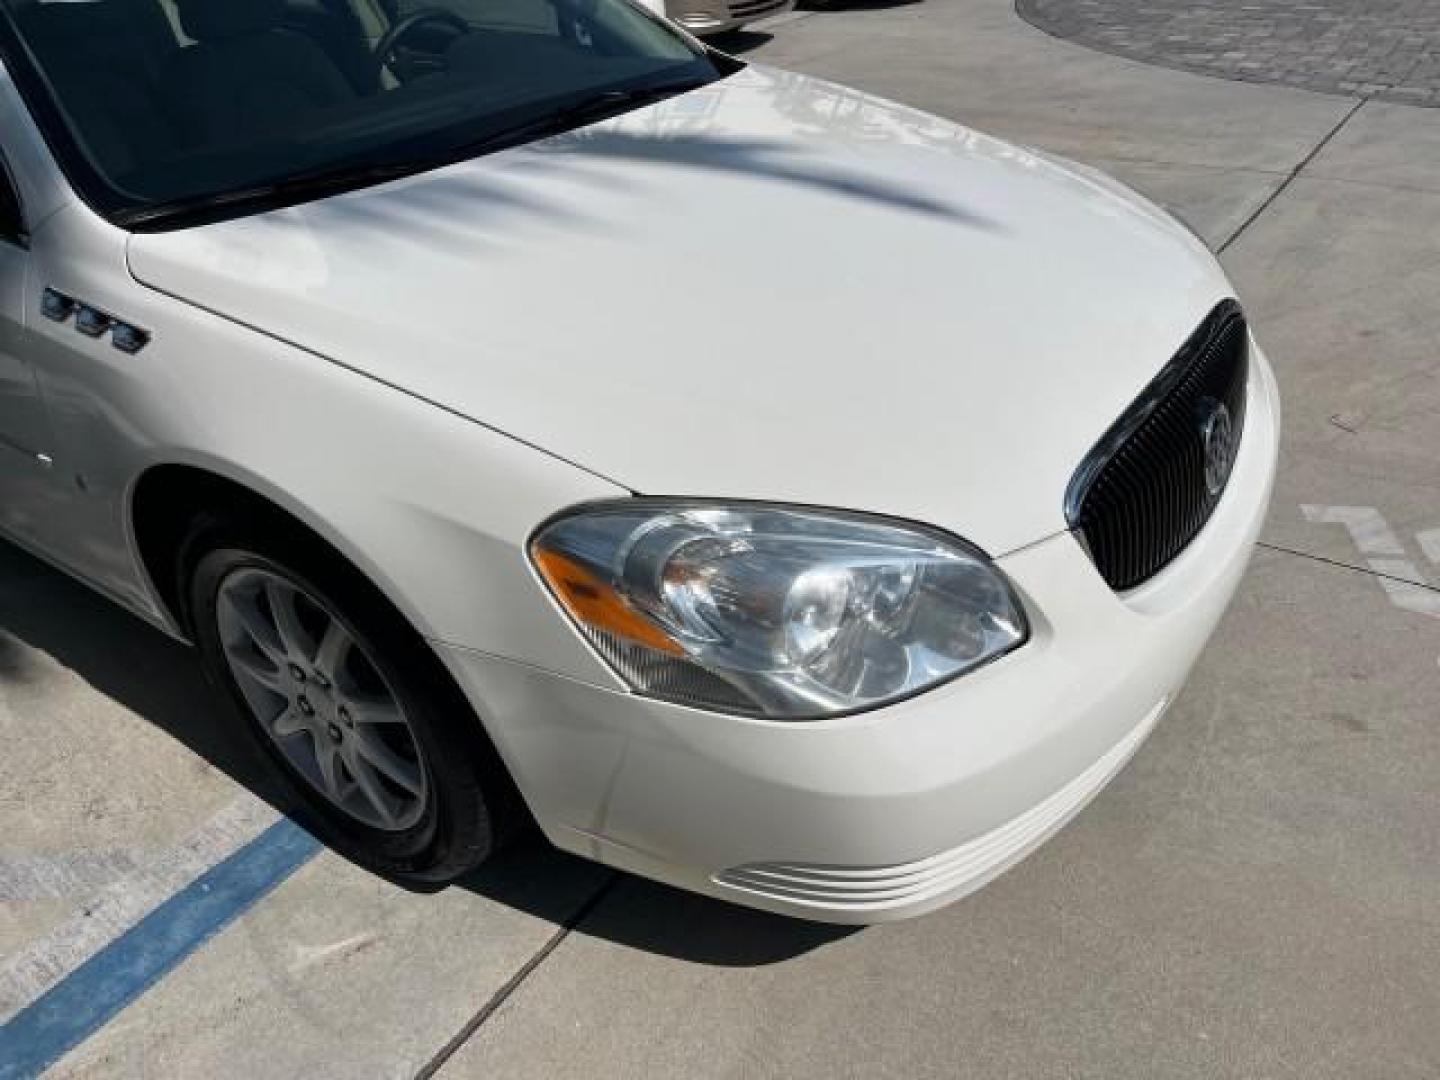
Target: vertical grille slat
point(1141, 495)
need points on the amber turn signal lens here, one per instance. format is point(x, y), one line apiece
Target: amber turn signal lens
point(597, 605)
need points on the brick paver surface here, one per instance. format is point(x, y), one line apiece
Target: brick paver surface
point(1388, 49)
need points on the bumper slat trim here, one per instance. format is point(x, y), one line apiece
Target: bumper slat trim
point(975, 862)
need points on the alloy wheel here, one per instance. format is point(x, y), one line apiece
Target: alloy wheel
point(320, 699)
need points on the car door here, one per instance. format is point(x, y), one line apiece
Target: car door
point(25, 439)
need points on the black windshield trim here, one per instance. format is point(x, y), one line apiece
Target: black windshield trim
point(287, 192)
point(98, 192)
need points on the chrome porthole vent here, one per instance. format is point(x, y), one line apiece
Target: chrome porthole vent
point(56, 306)
point(92, 321)
point(127, 338)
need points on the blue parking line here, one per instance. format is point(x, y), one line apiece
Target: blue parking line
point(74, 1009)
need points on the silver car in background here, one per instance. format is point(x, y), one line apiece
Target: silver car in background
point(705, 17)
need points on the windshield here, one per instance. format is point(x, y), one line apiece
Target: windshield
point(169, 111)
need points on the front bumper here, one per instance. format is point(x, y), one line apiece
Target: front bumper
point(706, 17)
point(899, 811)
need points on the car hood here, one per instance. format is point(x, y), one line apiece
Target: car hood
point(769, 288)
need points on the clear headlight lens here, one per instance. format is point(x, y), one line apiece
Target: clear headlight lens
point(765, 611)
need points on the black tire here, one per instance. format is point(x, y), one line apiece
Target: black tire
point(471, 804)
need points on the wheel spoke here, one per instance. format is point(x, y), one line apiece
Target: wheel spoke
point(334, 649)
point(260, 630)
point(327, 756)
point(391, 765)
point(293, 638)
point(288, 722)
point(260, 669)
point(371, 787)
point(365, 709)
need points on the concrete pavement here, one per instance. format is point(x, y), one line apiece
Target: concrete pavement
point(1258, 894)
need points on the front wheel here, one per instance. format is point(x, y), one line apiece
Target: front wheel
point(381, 756)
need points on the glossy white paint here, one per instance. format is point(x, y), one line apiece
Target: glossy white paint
point(844, 302)
point(773, 288)
point(671, 793)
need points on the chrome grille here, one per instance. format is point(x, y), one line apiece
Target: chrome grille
point(1152, 482)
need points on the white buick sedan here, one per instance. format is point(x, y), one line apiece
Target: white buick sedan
point(373, 348)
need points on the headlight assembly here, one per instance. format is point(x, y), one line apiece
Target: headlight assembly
point(766, 611)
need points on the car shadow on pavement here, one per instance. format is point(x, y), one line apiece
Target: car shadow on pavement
point(159, 680)
point(119, 656)
point(645, 915)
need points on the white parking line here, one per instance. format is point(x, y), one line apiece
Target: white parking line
point(1430, 544)
point(1385, 554)
point(1366, 526)
point(117, 907)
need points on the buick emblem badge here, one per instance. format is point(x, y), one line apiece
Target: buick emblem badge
point(1217, 436)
